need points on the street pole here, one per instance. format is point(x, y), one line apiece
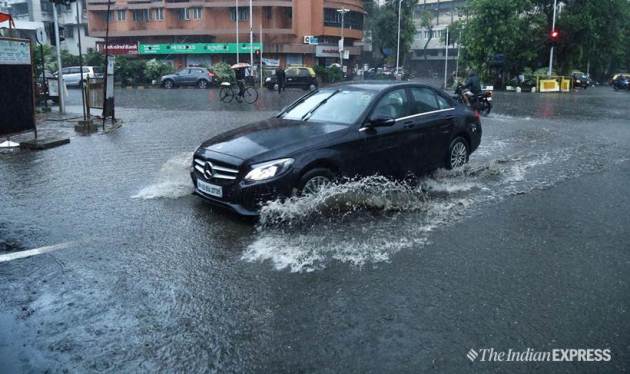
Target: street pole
point(62, 106)
point(398, 39)
point(83, 88)
point(341, 46)
point(459, 40)
point(251, 36)
point(446, 58)
point(261, 53)
point(237, 14)
point(553, 29)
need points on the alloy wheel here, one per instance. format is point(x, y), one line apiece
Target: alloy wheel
point(315, 184)
point(459, 154)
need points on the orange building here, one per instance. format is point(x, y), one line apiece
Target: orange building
point(177, 25)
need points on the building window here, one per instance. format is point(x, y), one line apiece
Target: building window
point(140, 15)
point(158, 14)
point(243, 13)
point(194, 13)
point(268, 12)
point(68, 32)
point(121, 14)
point(351, 20)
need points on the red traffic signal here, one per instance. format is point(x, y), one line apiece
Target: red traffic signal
point(554, 34)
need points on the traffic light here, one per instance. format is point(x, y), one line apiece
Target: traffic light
point(554, 36)
point(51, 33)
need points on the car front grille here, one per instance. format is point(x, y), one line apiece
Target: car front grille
point(215, 171)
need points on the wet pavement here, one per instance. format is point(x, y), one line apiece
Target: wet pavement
point(525, 247)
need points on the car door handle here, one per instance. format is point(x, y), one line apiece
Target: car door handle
point(408, 125)
point(449, 116)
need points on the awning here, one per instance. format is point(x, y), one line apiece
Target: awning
point(7, 17)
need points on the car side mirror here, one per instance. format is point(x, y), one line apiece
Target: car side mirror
point(384, 121)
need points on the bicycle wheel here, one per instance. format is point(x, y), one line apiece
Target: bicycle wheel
point(226, 94)
point(250, 95)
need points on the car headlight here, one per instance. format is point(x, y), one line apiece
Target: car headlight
point(268, 79)
point(268, 169)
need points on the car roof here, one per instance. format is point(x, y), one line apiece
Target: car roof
point(380, 85)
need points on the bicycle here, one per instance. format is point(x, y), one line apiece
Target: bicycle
point(228, 92)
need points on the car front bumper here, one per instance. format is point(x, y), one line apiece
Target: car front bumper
point(246, 198)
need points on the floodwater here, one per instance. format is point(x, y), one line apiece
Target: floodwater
point(526, 246)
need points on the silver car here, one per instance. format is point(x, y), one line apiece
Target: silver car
point(190, 76)
point(73, 77)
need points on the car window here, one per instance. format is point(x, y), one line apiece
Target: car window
point(65, 71)
point(86, 70)
point(442, 102)
point(393, 105)
point(345, 106)
point(304, 73)
point(75, 70)
point(292, 72)
point(424, 100)
point(197, 71)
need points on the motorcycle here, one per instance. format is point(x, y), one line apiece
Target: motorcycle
point(481, 103)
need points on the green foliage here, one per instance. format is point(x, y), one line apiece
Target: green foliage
point(384, 28)
point(328, 74)
point(223, 72)
point(130, 71)
point(592, 32)
point(155, 69)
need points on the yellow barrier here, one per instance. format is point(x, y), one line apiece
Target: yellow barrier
point(565, 85)
point(548, 85)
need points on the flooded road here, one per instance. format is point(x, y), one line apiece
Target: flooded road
point(525, 247)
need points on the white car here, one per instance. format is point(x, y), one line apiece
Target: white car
point(72, 74)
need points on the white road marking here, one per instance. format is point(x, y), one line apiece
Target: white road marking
point(32, 252)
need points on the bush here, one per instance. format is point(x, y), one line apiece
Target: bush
point(328, 75)
point(155, 69)
point(130, 71)
point(223, 72)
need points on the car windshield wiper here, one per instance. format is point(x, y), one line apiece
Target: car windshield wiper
point(308, 114)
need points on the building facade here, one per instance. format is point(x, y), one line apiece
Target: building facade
point(191, 32)
point(34, 18)
point(430, 61)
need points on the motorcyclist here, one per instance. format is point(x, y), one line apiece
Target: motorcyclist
point(472, 87)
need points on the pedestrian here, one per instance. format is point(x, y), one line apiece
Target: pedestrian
point(280, 79)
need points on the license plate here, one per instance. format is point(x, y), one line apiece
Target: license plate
point(210, 189)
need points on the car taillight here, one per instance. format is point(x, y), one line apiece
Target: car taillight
point(477, 116)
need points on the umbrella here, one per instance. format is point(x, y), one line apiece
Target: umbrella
point(241, 65)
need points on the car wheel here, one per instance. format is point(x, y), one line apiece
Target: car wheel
point(168, 84)
point(457, 153)
point(203, 84)
point(314, 180)
point(275, 87)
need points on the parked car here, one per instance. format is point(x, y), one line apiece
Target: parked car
point(580, 79)
point(343, 131)
point(72, 76)
point(614, 77)
point(621, 82)
point(190, 76)
point(297, 76)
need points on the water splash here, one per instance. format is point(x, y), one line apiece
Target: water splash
point(173, 180)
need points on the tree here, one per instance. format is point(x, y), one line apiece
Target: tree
point(426, 22)
point(384, 29)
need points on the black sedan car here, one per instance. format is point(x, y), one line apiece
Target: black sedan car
point(344, 131)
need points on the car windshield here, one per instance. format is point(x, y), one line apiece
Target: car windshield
point(338, 106)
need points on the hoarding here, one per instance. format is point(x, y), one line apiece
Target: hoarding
point(196, 48)
point(17, 104)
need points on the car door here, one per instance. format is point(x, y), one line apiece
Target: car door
point(291, 77)
point(183, 77)
point(434, 116)
point(384, 150)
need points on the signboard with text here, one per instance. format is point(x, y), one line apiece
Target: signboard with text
point(15, 52)
point(196, 48)
point(118, 49)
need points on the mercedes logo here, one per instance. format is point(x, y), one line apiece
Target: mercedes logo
point(208, 171)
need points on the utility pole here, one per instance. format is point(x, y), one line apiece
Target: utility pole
point(553, 33)
point(261, 52)
point(398, 40)
point(459, 41)
point(62, 106)
point(237, 20)
point(342, 11)
point(446, 58)
point(251, 36)
point(83, 88)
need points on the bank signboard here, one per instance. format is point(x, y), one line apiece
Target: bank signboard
point(196, 48)
point(118, 49)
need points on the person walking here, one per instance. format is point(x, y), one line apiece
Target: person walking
point(281, 79)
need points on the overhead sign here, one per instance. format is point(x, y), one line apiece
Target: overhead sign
point(196, 48)
point(327, 51)
point(310, 39)
point(15, 52)
point(118, 49)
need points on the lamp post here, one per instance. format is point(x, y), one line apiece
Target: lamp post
point(251, 37)
point(398, 39)
point(237, 14)
point(62, 107)
point(553, 31)
point(342, 11)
